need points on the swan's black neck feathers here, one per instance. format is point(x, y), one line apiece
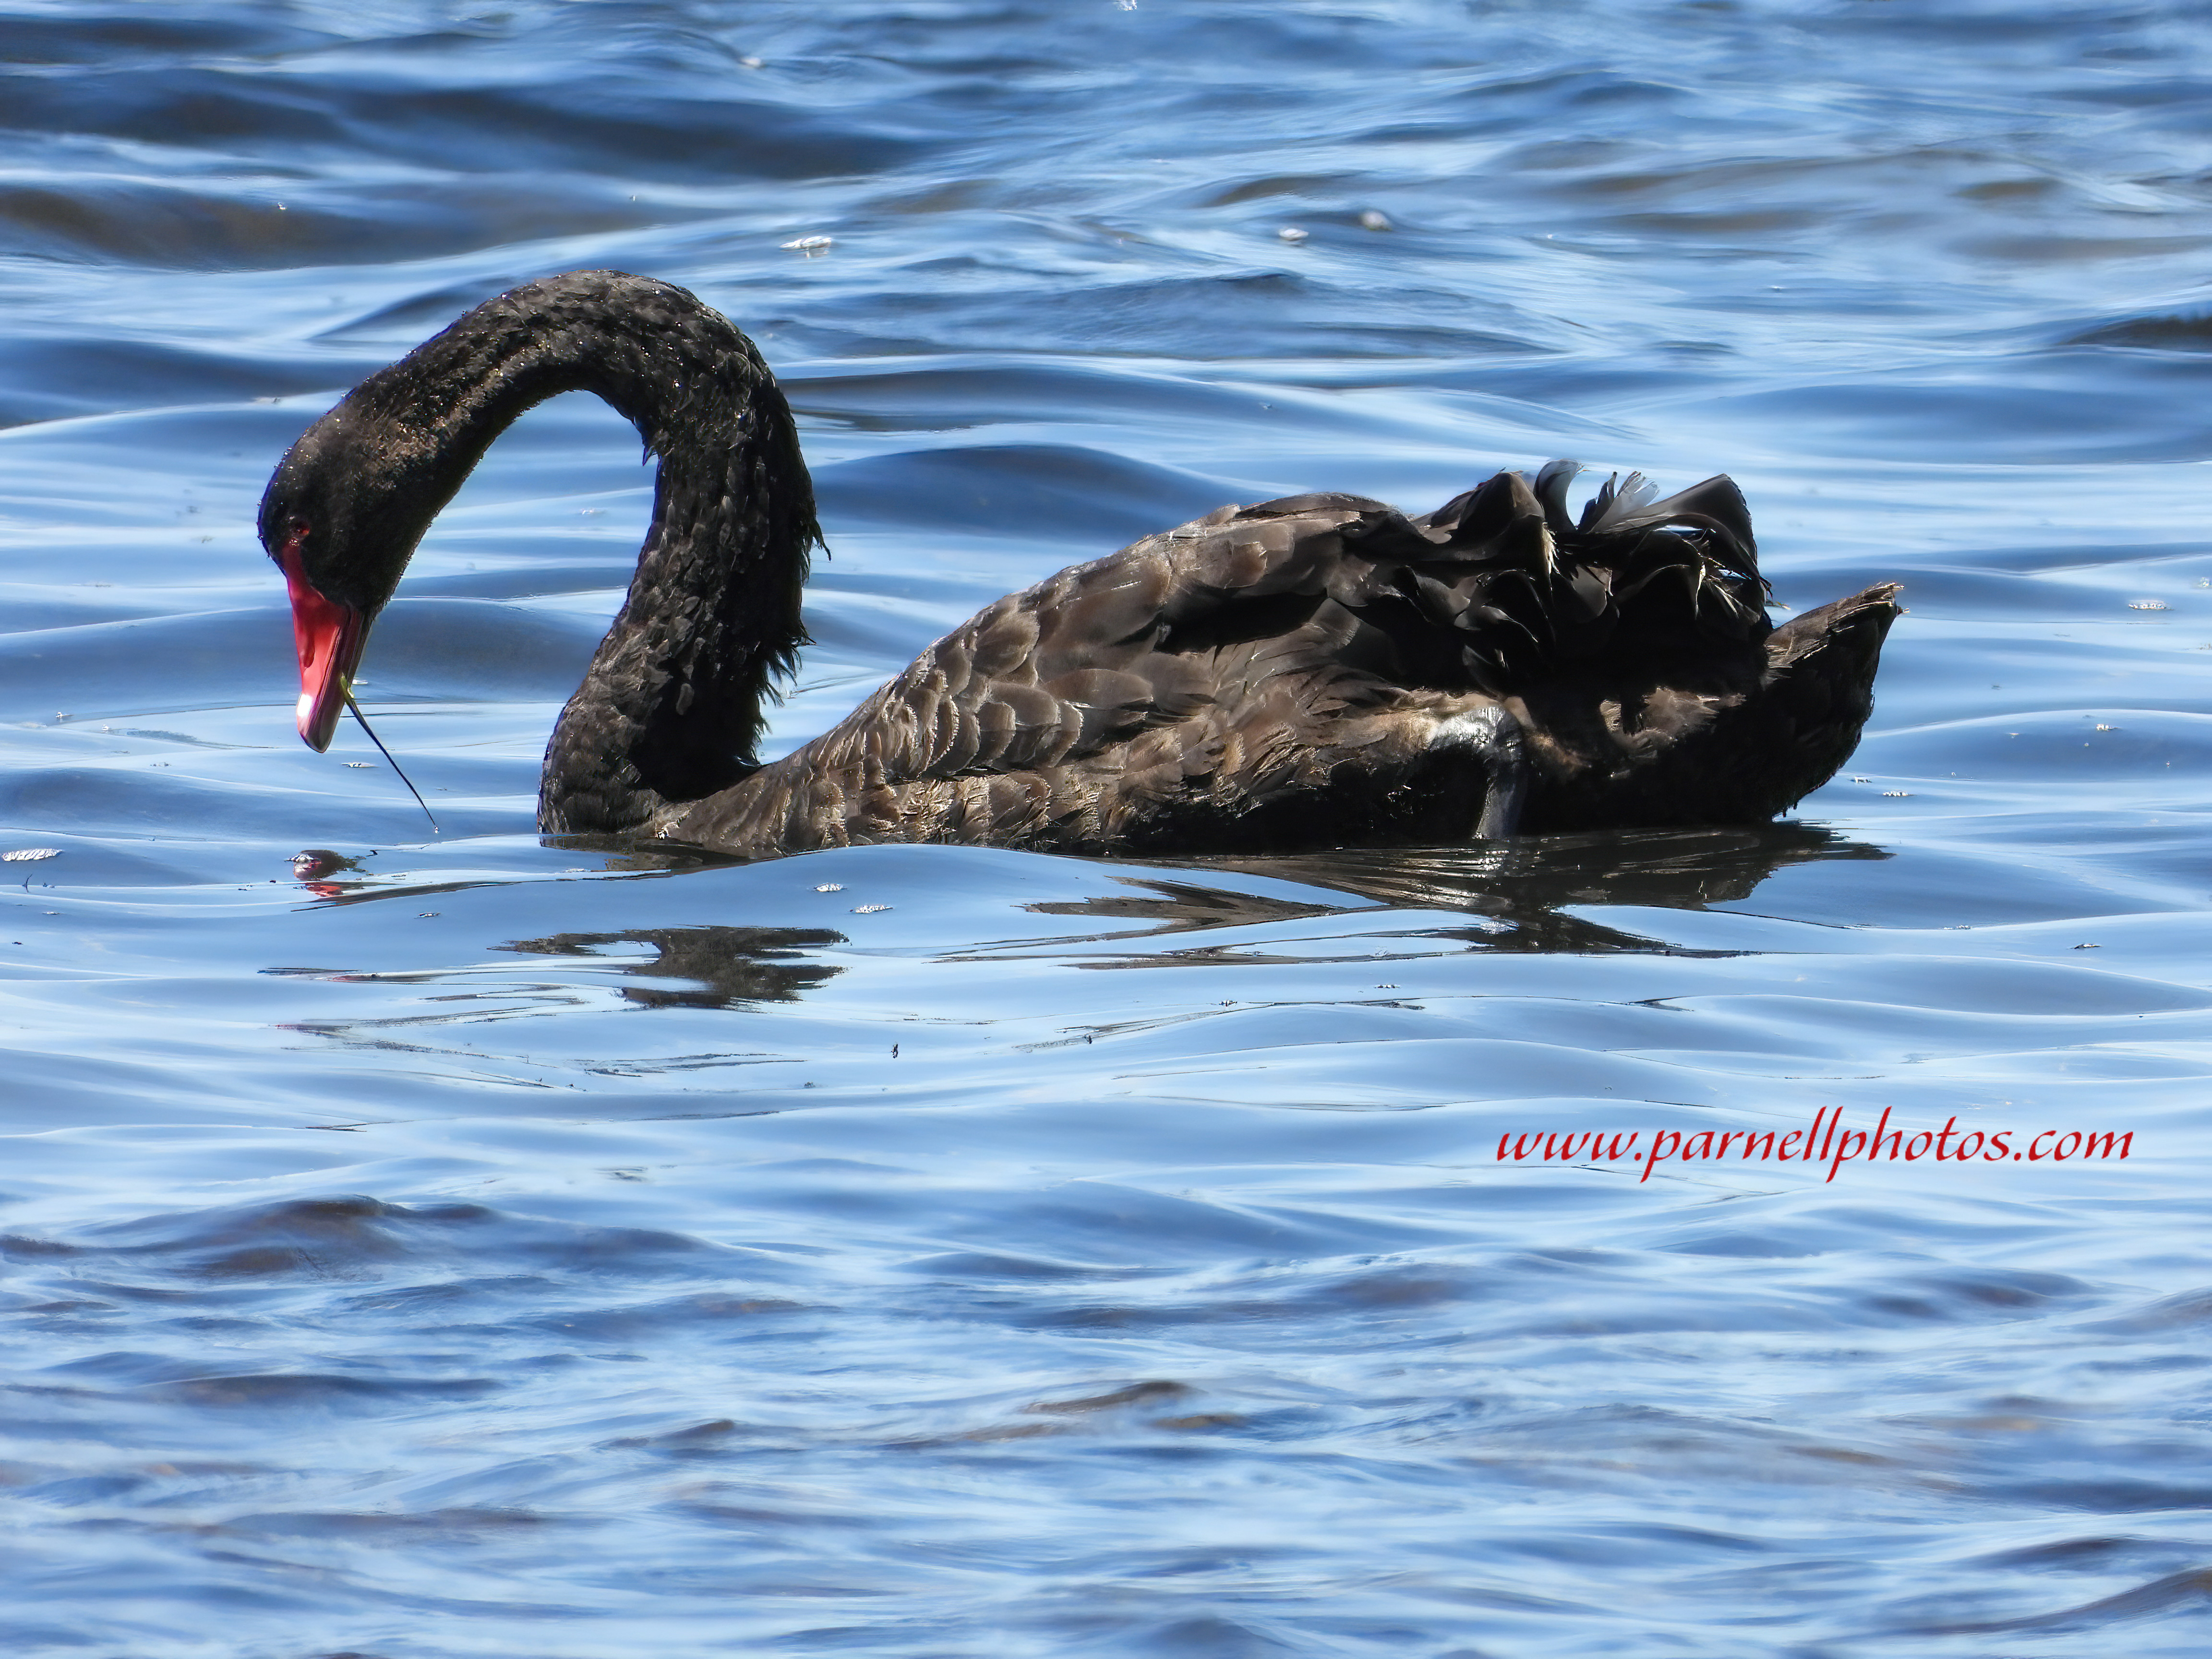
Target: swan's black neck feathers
point(671, 707)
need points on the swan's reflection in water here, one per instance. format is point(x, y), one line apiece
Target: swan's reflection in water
point(716, 967)
point(335, 878)
point(1518, 888)
point(1521, 895)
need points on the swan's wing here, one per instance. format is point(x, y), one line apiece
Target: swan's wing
point(1260, 657)
point(1330, 600)
point(1176, 623)
point(1536, 594)
point(1203, 658)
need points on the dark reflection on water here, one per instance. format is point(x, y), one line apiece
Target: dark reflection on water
point(318, 868)
point(731, 967)
point(1521, 887)
point(1524, 886)
point(597, 1248)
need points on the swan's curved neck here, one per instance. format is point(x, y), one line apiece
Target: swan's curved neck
point(670, 707)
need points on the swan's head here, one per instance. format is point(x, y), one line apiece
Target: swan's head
point(340, 518)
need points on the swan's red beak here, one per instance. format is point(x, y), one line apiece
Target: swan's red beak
point(330, 637)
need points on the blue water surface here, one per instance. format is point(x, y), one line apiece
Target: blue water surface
point(473, 1243)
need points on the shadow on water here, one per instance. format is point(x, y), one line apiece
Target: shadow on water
point(718, 967)
point(729, 967)
point(1520, 889)
point(336, 879)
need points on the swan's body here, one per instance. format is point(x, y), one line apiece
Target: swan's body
point(1320, 671)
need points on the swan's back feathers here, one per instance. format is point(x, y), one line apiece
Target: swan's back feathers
point(1281, 663)
point(1169, 666)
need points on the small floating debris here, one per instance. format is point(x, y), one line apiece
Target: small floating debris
point(29, 855)
point(869, 909)
point(1897, 794)
point(361, 766)
point(809, 245)
point(830, 887)
point(2108, 728)
point(752, 63)
point(2088, 947)
point(1373, 219)
point(2146, 604)
point(1862, 780)
point(1292, 234)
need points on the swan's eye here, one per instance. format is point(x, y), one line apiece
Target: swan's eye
point(296, 527)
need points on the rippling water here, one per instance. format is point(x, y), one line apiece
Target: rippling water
point(468, 1244)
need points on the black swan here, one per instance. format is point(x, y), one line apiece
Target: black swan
point(1317, 672)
